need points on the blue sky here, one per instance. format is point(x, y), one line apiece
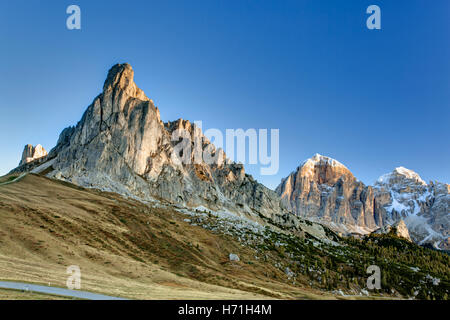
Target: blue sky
point(372, 99)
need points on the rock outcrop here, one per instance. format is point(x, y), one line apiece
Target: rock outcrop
point(122, 145)
point(398, 229)
point(31, 153)
point(324, 190)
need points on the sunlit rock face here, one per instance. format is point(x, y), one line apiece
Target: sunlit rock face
point(31, 153)
point(324, 190)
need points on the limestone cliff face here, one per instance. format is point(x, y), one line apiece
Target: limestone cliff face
point(121, 145)
point(324, 190)
point(31, 153)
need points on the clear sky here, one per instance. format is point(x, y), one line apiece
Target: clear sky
point(372, 99)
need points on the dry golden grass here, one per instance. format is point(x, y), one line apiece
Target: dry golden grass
point(124, 248)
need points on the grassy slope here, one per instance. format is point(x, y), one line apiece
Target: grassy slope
point(125, 248)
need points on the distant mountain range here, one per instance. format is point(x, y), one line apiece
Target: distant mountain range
point(324, 190)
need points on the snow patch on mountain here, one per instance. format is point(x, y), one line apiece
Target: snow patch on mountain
point(388, 178)
point(319, 159)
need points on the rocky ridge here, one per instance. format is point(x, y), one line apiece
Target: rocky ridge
point(122, 145)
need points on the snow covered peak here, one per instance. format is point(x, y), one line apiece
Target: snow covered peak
point(402, 173)
point(319, 159)
point(409, 174)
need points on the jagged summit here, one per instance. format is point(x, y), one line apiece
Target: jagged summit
point(31, 153)
point(121, 77)
point(399, 174)
point(116, 73)
point(121, 145)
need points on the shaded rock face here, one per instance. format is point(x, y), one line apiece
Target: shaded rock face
point(324, 190)
point(121, 145)
point(31, 153)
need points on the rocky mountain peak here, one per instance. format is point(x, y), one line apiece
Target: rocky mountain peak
point(324, 170)
point(121, 77)
point(400, 175)
point(324, 189)
point(121, 145)
point(318, 159)
point(31, 153)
